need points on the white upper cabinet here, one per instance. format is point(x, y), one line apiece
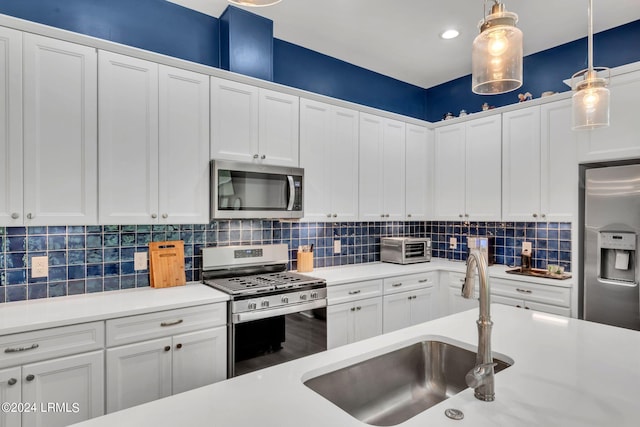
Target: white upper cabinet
point(540, 172)
point(621, 139)
point(60, 132)
point(382, 168)
point(11, 124)
point(419, 173)
point(184, 146)
point(250, 124)
point(329, 156)
point(128, 108)
point(467, 170)
point(151, 170)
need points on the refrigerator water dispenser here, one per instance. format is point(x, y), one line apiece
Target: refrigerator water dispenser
point(617, 253)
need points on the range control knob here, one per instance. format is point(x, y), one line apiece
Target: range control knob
point(284, 300)
point(252, 306)
point(264, 304)
point(314, 295)
point(303, 296)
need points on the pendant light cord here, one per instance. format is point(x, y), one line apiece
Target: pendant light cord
point(590, 37)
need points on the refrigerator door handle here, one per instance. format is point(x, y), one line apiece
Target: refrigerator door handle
point(617, 282)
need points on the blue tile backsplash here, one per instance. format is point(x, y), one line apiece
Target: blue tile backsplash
point(84, 259)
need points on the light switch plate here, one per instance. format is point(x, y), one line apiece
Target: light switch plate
point(39, 266)
point(140, 261)
point(337, 247)
point(453, 242)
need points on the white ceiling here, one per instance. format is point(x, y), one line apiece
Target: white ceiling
point(400, 38)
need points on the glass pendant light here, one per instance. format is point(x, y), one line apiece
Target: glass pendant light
point(254, 3)
point(591, 97)
point(497, 53)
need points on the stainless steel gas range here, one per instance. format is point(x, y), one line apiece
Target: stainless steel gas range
point(274, 315)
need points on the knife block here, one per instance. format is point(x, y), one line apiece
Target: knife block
point(305, 262)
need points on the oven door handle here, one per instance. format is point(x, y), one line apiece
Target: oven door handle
point(273, 312)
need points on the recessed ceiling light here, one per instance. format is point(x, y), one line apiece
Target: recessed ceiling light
point(449, 34)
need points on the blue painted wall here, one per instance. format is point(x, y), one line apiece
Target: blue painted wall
point(155, 25)
point(309, 70)
point(246, 43)
point(543, 71)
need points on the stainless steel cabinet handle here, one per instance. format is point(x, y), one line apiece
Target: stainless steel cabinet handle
point(15, 215)
point(395, 285)
point(154, 216)
point(524, 291)
point(12, 381)
point(263, 157)
point(177, 322)
point(354, 292)
point(30, 377)
point(423, 280)
point(165, 216)
point(29, 216)
point(19, 349)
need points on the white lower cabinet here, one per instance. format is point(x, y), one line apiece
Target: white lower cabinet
point(353, 321)
point(189, 351)
point(407, 308)
point(455, 302)
point(532, 296)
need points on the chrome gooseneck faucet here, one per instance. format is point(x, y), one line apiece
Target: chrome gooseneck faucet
point(481, 377)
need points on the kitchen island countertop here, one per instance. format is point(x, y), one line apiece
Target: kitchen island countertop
point(566, 372)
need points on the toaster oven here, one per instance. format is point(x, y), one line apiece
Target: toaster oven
point(405, 250)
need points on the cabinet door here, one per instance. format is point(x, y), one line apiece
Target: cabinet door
point(234, 120)
point(423, 305)
point(559, 163)
point(449, 172)
point(371, 180)
point(316, 157)
point(458, 303)
point(10, 392)
point(419, 173)
point(199, 359)
point(393, 169)
point(60, 132)
point(11, 125)
point(74, 383)
point(397, 311)
point(546, 308)
point(339, 325)
point(128, 132)
point(620, 140)
point(184, 146)
point(367, 319)
point(138, 373)
point(343, 165)
point(483, 171)
point(521, 165)
point(278, 128)
point(512, 302)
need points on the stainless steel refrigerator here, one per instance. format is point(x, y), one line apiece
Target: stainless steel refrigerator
point(610, 201)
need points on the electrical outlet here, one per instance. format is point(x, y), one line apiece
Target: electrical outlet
point(39, 266)
point(140, 261)
point(526, 247)
point(337, 247)
point(453, 242)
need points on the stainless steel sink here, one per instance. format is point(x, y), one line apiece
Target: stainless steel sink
point(391, 388)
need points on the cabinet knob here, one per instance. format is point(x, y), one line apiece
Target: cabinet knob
point(353, 309)
point(29, 216)
point(255, 156)
point(30, 377)
point(167, 348)
point(535, 215)
point(335, 215)
point(179, 346)
point(543, 215)
point(460, 215)
point(15, 215)
point(328, 215)
point(381, 215)
point(165, 216)
point(154, 216)
point(263, 157)
point(408, 215)
point(387, 215)
point(358, 308)
point(12, 381)
point(466, 215)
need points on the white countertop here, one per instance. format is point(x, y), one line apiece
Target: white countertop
point(43, 313)
point(379, 270)
point(567, 372)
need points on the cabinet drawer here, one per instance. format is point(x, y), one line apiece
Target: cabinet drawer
point(132, 329)
point(353, 291)
point(18, 349)
point(532, 292)
point(410, 282)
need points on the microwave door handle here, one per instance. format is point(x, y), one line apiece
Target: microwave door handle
point(292, 192)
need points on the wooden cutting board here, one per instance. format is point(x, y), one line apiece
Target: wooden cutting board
point(166, 264)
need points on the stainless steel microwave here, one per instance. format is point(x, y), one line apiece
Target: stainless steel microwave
point(248, 190)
